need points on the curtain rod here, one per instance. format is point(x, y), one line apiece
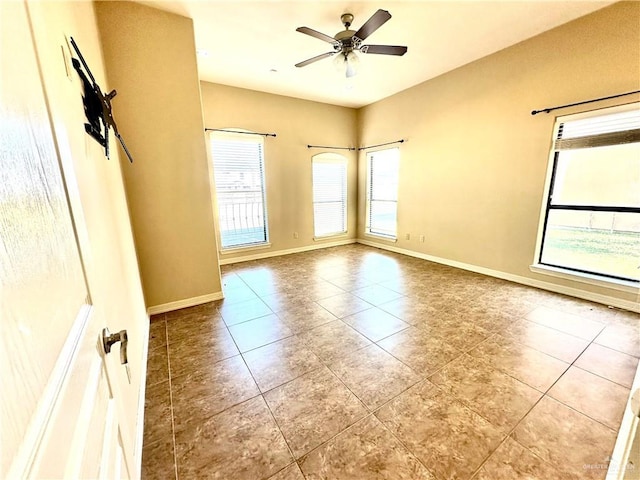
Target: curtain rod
point(333, 148)
point(550, 109)
point(381, 144)
point(234, 131)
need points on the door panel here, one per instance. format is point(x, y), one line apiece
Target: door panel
point(60, 413)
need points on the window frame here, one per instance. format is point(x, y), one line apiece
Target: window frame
point(335, 159)
point(245, 136)
point(368, 200)
point(574, 273)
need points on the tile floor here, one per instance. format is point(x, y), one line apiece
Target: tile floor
point(355, 363)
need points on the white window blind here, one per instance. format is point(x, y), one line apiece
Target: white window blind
point(382, 192)
point(238, 165)
point(329, 194)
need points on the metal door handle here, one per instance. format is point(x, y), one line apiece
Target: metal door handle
point(108, 339)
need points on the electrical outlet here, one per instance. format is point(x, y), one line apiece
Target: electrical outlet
point(421, 238)
point(295, 234)
point(407, 236)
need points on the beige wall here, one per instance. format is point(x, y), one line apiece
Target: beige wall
point(150, 60)
point(297, 123)
point(473, 168)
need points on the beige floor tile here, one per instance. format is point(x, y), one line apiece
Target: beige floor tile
point(158, 460)
point(288, 300)
point(349, 282)
point(292, 472)
point(333, 340)
point(498, 397)
point(610, 364)
point(241, 442)
point(375, 324)
point(445, 435)
point(237, 295)
point(523, 363)
point(305, 316)
point(374, 375)
point(258, 332)
point(376, 294)
point(424, 353)
point(547, 340)
point(592, 395)
point(366, 450)
point(157, 366)
point(318, 376)
point(157, 332)
point(242, 311)
point(567, 439)
point(344, 304)
point(511, 461)
point(313, 408)
point(489, 317)
point(280, 362)
point(200, 396)
point(198, 352)
point(415, 311)
point(566, 322)
point(157, 413)
point(621, 337)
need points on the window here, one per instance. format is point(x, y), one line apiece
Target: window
point(592, 212)
point(238, 165)
point(329, 194)
point(382, 192)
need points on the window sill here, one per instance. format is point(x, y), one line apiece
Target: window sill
point(596, 280)
point(381, 237)
point(332, 236)
point(258, 246)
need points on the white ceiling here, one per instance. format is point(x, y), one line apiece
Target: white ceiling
point(254, 44)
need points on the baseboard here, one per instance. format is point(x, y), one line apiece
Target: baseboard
point(552, 287)
point(187, 302)
point(278, 253)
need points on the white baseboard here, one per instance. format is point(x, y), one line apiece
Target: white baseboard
point(552, 287)
point(187, 302)
point(278, 253)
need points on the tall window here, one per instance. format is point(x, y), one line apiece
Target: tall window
point(238, 165)
point(382, 192)
point(329, 194)
point(592, 215)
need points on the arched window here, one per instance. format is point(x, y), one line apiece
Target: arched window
point(329, 194)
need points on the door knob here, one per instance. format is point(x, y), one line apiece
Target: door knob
point(108, 339)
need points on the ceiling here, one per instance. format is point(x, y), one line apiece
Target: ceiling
point(254, 44)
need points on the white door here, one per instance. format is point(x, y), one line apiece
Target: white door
point(62, 411)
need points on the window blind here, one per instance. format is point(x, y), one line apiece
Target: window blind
point(383, 192)
point(329, 195)
point(611, 129)
point(238, 164)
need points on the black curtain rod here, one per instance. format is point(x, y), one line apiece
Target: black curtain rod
point(381, 144)
point(333, 148)
point(233, 131)
point(550, 109)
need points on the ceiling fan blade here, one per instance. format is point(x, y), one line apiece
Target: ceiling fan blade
point(384, 49)
point(314, 59)
point(315, 33)
point(375, 22)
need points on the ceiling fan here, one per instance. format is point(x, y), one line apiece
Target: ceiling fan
point(347, 42)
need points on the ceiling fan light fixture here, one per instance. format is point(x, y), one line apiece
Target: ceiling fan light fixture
point(352, 63)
